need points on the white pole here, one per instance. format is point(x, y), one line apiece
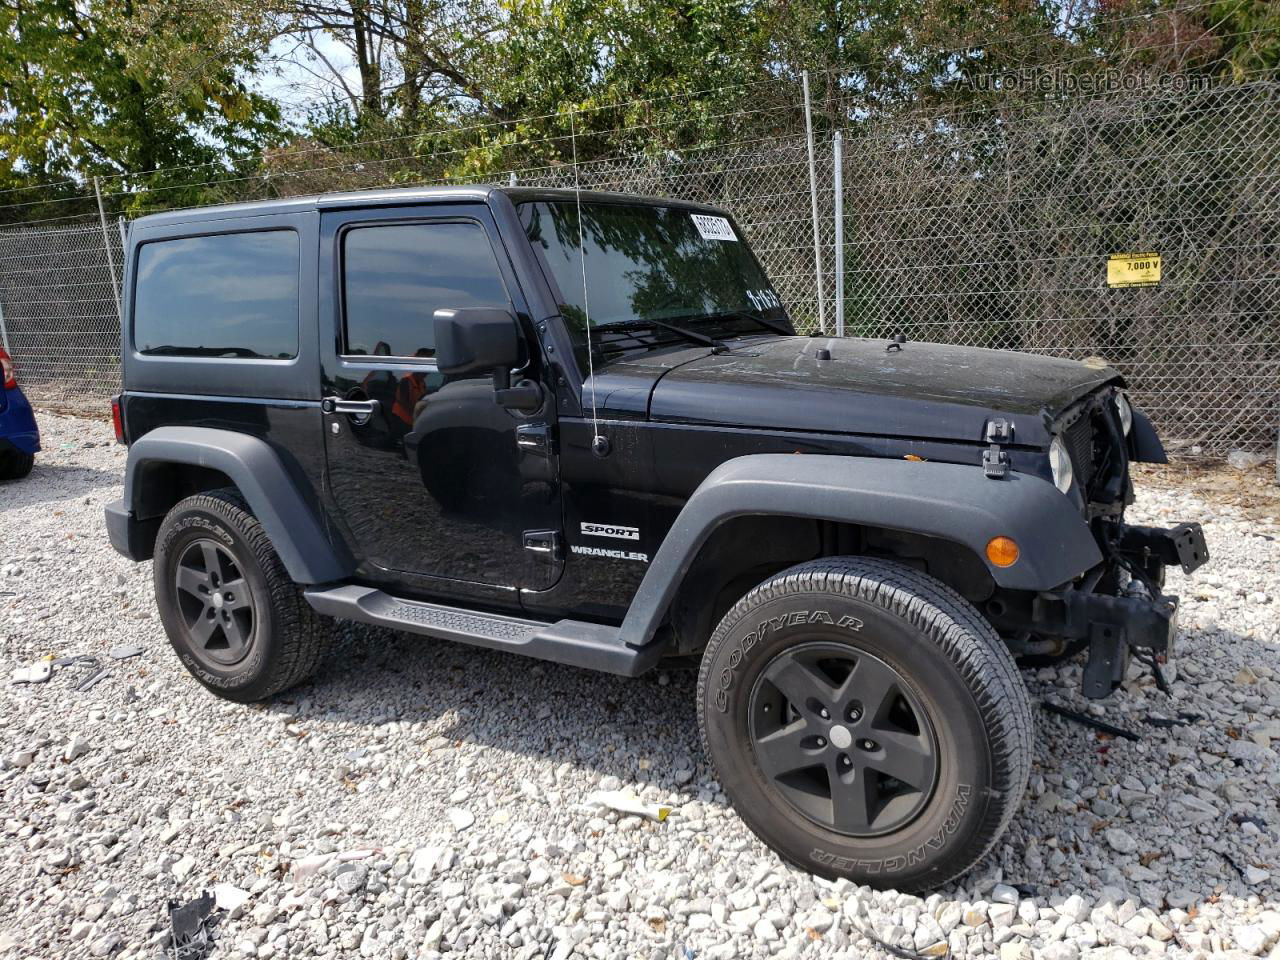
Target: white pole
point(837, 158)
point(813, 200)
point(4, 331)
point(106, 242)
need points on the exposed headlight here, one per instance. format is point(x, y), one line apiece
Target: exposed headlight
point(1125, 411)
point(1060, 464)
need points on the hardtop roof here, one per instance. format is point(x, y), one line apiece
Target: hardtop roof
point(403, 196)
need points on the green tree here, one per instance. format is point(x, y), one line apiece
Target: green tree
point(117, 87)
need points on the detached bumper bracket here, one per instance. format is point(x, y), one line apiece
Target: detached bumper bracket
point(1114, 627)
point(1108, 661)
point(1183, 544)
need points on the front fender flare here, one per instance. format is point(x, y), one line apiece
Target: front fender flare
point(950, 501)
point(1144, 441)
point(264, 482)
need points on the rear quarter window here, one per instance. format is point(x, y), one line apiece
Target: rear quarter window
point(231, 295)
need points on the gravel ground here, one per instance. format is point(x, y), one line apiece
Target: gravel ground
point(425, 798)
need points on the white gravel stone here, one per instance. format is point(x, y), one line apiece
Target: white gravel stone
point(461, 819)
point(1121, 841)
point(183, 866)
point(1256, 875)
point(1060, 950)
point(1003, 893)
point(1001, 914)
point(765, 931)
point(331, 809)
point(1251, 939)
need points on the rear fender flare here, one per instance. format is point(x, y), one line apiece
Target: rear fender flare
point(264, 482)
point(951, 501)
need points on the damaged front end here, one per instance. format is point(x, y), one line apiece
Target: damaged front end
point(1118, 609)
point(1113, 615)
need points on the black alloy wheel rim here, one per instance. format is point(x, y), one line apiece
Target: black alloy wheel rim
point(216, 603)
point(843, 739)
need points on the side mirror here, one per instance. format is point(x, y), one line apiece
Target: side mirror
point(484, 340)
point(476, 340)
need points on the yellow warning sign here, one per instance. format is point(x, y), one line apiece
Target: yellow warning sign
point(1133, 270)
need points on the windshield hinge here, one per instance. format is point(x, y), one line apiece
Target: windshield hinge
point(546, 545)
point(535, 439)
point(995, 462)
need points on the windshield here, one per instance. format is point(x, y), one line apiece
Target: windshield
point(649, 263)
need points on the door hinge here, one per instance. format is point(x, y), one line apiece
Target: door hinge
point(534, 438)
point(546, 545)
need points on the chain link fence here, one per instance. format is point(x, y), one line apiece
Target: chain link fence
point(997, 231)
point(990, 227)
point(58, 311)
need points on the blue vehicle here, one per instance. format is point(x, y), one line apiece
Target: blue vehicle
point(19, 436)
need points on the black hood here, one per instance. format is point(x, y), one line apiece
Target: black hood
point(923, 391)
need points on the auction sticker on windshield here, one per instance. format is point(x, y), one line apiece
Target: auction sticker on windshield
point(713, 228)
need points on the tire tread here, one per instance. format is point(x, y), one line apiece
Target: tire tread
point(950, 622)
point(303, 636)
point(16, 464)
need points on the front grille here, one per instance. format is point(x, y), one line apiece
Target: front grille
point(1080, 448)
point(1091, 433)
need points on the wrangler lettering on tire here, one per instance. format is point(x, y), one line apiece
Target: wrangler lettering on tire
point(866, 722)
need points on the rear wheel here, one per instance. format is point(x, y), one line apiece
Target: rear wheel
point(15, 464)
point(236, 620)
point(866, 722)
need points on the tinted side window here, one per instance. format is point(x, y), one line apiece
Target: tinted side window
point(396, 276)
point(230, 295)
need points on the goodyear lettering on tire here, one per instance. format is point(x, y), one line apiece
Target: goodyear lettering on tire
point(774, 624)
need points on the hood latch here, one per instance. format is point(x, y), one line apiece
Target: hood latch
point(995, 462)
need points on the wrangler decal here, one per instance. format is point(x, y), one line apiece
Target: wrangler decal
point(611, 554)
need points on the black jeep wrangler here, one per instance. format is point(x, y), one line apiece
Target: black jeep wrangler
point(581, 427)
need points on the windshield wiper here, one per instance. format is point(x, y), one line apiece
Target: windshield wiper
point(693, 336)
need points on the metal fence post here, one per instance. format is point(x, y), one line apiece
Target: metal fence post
point(106, 242)
point(813, 200)
point(4, 331)
point(837, 160)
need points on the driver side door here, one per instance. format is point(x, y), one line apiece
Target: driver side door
point(427, 474)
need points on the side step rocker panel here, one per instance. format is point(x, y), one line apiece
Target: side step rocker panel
point(573, 642)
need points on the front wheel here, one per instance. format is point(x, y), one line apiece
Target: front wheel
point(866, 722)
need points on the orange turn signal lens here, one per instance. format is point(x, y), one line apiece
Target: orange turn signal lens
point(1002, 552)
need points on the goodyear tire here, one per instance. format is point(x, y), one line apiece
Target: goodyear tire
point(866, 722)
point(237, 622)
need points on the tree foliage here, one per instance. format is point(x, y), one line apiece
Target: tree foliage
point(447, 88)
point(116, 87)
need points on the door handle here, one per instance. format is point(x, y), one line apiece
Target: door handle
point(360, 411)
point(356, 408)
